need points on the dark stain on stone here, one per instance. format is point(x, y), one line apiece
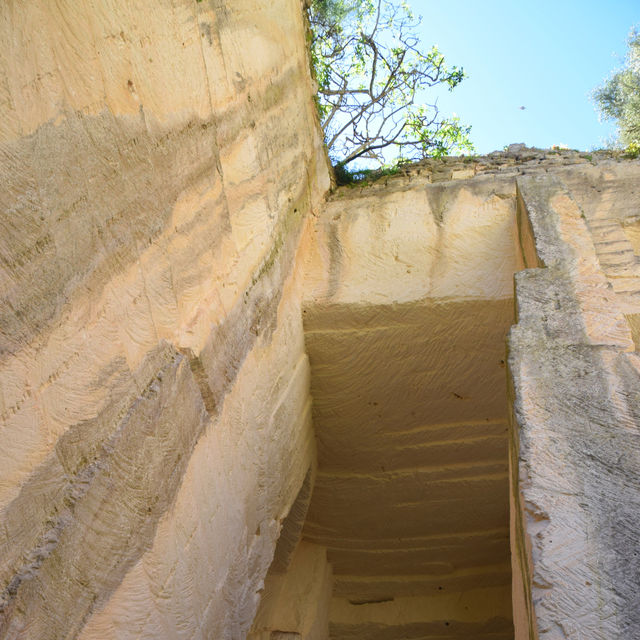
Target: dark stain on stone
point(205, 31)
point(47, 197)
point(335, 260)
point(439, 197)
point(102, 493)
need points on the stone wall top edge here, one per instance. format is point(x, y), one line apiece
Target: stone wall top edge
point(498, 164)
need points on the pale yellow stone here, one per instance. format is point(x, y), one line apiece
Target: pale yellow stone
point(191, 338)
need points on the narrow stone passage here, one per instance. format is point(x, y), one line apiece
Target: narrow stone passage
point(237, 404)
point(410, 301)
point(450, 476)
point(411, 497)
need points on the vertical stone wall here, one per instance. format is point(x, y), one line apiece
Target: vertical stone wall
point(407, 305)
point(158, 165)
point(575, 374)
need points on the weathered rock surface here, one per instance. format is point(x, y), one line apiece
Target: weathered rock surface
point(408, 302)
point(157, 169)
point(296, 603)
point(406, 308)
point(576, 385)
point(230, 410)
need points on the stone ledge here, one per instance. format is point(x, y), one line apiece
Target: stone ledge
point(516, 160)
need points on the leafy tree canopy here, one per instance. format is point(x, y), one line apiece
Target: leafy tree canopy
point(369, 69)
point(619, 97)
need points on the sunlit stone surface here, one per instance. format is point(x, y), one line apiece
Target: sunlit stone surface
point(233, 408)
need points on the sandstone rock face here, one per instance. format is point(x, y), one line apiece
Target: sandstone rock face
point(408, 303)
point(576, 413)
point(296, 603)
point(158, 165)
point(230, 409)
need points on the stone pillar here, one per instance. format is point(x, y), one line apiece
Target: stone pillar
point(574, 447)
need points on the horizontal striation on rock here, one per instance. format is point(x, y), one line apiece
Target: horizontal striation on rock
point(405, 320)
point(477, 613)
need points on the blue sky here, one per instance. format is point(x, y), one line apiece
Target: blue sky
point(544, 55)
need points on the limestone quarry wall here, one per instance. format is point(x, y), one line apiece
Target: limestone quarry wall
point(407, 304)
point(230, 409)
point(575, 372)
point(408, 301)
point(158, 164)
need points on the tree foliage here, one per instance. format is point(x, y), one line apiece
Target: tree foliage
point(619, 97)
point(370, 70)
